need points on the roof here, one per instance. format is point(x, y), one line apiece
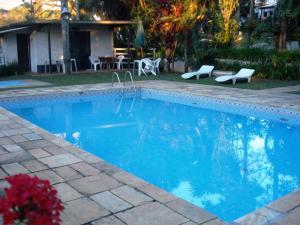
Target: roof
point(15, 26)
point(266, 7)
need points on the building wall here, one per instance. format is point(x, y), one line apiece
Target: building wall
point(39, 47)
point(102, 42)
point(9, 47)
point(101, 45)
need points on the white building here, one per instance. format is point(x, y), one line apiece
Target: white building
point(264, 12)
point(34, 45)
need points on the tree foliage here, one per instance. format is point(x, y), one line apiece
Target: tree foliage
point(228, 25)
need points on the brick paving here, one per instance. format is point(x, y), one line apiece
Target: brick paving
point(97, 193)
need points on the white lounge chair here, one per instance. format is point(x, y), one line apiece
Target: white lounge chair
point(204, 70)
point(242, 74)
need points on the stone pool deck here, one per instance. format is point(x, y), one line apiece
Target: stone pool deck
point(95, 192)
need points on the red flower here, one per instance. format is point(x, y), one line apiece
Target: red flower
point(30, 200)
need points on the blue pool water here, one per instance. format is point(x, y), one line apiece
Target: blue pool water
point(12, 83)
point(227, 163)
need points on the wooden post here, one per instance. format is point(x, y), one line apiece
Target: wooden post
point(49, 50)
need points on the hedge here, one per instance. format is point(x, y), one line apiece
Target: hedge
point(274, 64)
point(10, 69)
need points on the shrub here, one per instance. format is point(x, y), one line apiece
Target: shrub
point(10, 69)
point(30, 201)
point(283, 65)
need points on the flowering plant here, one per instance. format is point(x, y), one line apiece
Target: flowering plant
point(30, 200)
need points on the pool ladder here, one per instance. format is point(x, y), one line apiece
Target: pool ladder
point(115, 74)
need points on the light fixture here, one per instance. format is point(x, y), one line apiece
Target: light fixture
point(65, 14)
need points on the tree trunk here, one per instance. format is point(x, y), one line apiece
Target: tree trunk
point(251, 17)
point(251, 11)
point(186, 37)
point(77, 10)
point(66, 40)
point(282, 35)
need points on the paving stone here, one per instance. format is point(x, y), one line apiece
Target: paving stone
point(14, 157)
point(287, 203)
point(94, 184)
point(18, 138)
point(157, 193)
point(67, 173)
point(32, 137)
point(60, 160)
point(27, 145)
point(14, 168)
point(38, 153)
point(82, 211)
point(270, 214)
point(34, 165)
point(85, 169)
point(190, 211)
point(109, 220)
point(2, 174)
point(89, 157)
point(3, 118)
point(252, 219)
point(189, 223)
point(2, 150)
point(55, 150)
point(12, 148)
point(49, 175)
point(66, 192)
point(131, 195)
point(106, 168)
point(5, 141)
point(15, 125)
point(129, 179)
point(3, 184)
point(12, 132)
point(4, 126)
point(110, 201)
point(214, 222)
point(292, 218)
point(151, 214)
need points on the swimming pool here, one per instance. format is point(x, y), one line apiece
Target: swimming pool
point(227, 158)
point(13, 83)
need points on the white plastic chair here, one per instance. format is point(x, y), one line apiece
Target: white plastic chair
point(94, 63)
point(148, 66)
point(156, 63)
point(72, 62)
point(120, 62)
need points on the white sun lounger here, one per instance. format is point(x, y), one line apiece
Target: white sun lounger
point(205, 69)
point(242, 74)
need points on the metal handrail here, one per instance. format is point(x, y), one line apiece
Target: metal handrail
point(115, 74)
point(131, 78)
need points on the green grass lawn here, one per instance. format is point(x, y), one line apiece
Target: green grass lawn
point(105, 77)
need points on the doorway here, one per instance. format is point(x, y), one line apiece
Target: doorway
point(23, 48)
point(80, 48)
